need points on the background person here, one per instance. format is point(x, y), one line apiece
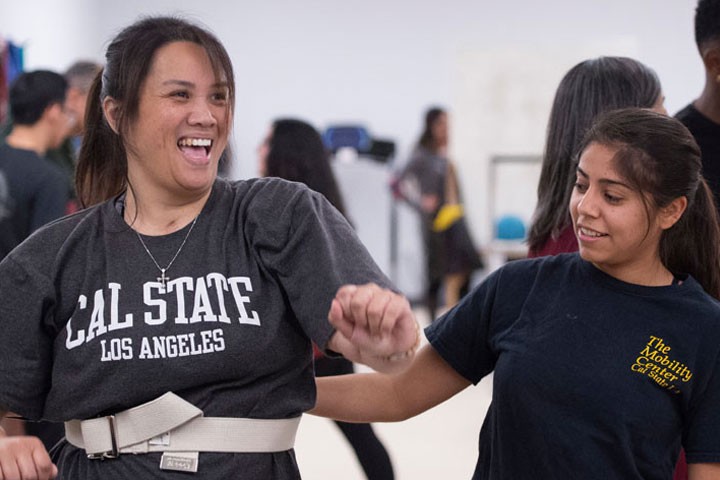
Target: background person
point(429, 183)
point(702, 116)
point(591, 87)
point(294, 150)
point(32, 189)
point(79, 76)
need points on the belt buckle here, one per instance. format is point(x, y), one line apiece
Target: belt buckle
point(115, 452)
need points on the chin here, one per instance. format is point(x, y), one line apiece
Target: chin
point(588, 255)
point(198, 182)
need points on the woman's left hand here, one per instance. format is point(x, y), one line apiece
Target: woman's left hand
point(375, 326)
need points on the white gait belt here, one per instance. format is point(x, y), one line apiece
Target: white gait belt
point(171, 425)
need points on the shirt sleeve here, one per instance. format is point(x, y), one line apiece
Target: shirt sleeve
point(313, 251)
point(463, 336)
point(25, 344)
point(470, 336)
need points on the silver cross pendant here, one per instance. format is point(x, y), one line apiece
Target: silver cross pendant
point(163, 280)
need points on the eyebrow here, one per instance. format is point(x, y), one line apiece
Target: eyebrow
point(185, 83)
point(604, 181)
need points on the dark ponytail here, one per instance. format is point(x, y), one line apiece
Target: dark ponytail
point(102, 165)
point(692, 245)
point(659, 157)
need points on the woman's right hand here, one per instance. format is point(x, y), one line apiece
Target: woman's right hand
point(24, 458)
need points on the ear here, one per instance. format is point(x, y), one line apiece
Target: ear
point(111, 109)
point(670, 214)
point(711, 59)
point(53, 110)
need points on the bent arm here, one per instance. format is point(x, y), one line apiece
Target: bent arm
point(377, 397)
point(704, 471)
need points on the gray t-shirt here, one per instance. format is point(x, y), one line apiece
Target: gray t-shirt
point(89, 331)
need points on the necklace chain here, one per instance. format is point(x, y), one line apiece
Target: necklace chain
point(163, 278)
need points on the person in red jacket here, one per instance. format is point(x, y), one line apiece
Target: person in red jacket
point(590, 88)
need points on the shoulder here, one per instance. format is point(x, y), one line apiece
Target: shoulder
point(46, 242)
point(693, 296)
point(261, 199)
point(696, 122)
point(544, 266)
point(687, 112)
point(516, 280)
point(28, 165)
point(259, 188)
point(419, 155)
point(17, 158)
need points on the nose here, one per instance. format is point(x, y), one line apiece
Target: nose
point(588, 204)
point(202, 114)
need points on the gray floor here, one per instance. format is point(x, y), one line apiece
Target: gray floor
point(439, 444)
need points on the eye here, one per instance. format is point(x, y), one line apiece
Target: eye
point(180, 94)
point(612, 198)
point(580, 187)
point(219, 97)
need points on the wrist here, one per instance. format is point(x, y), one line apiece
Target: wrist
point(400, 356)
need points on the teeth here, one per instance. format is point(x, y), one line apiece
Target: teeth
point(590, 233)
point(195, 142)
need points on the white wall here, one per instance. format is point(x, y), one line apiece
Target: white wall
point(382, 62)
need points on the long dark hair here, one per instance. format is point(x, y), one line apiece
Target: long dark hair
point(588, 89)
point(658, 156)
point(102, 164)
point(297, 153)
point(427, 139)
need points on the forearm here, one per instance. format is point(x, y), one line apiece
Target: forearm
point(360, 397)
point(377, 397)
point(704, 471)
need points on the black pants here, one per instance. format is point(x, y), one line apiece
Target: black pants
point(371, 453)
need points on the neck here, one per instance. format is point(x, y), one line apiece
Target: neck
point(708, 103)
point(655, 275)
point(28, 137)
point(153, 216)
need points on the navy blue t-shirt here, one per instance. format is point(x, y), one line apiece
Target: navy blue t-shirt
point(707, 136)
point(594, 378)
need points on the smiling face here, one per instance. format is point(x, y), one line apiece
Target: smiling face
point(182, 124)
point(610, 219)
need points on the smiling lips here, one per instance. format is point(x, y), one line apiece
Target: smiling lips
point(196, 150)
point(587, 233)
